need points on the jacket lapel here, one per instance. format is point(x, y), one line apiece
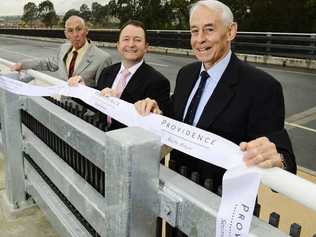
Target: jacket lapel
point(64, 54)
point(111, 75)
point(188, 83)
point(87, 59)
point(135, 80)
point(222, 95)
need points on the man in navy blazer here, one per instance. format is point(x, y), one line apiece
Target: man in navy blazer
point(142, 80)
point(239, 102)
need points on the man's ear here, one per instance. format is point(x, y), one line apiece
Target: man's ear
point(146, 47)
point(232, 31)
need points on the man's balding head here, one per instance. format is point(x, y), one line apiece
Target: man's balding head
point(74, 18)
point(76, 31)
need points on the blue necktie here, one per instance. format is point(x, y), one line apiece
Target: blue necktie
point(189, 117)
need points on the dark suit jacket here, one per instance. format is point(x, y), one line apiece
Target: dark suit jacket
point(246, 104)
point(146, 82)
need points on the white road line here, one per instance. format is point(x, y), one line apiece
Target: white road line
point(310, 113)
point(13, 52)
point(287, 71)
point(300, 126)
point(157, 64)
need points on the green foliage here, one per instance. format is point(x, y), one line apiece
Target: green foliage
point(85, 12)
point(29, 13)
point(99, 13)
point(46, 12)
point(251, 15)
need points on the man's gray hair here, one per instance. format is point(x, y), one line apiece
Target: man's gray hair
point(74, 18)
point(226, 13)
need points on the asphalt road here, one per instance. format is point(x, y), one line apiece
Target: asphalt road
point(299, 88)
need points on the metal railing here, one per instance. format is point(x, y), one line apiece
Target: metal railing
point(95, 183)
point(291, 45)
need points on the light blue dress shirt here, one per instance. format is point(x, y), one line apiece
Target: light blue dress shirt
point(215, 72)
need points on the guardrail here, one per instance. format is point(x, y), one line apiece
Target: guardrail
point(95, 183)
point(290, 45)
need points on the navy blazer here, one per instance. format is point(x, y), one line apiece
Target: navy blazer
point(246, 104)
point(145, 82)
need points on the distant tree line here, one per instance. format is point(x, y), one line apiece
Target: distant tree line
point(45, 11)
point(251, 15)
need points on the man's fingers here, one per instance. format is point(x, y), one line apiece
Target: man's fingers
point(260, 152)
point(138, 106)
point(151, 106)
point(267, 164)
point(257, 142)
point(16, 67)
point(74, 81)
point(243, 146)
point(146, 106)
point(106, 92)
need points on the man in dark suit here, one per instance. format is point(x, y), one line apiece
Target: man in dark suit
point(228, 97)
point(133, 79)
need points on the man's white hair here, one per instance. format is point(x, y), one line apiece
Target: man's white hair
point(75, 18)
point(226, 13)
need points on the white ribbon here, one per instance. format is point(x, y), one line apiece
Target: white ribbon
point(240, 184)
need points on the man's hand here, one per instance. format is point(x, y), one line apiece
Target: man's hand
point(16, 67)
point(146, 106)
point(261, 152)
point(109, 92)
point(75, 80)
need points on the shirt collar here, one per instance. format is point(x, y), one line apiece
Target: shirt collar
point(82, 49)
point(217, 70)
point(133, 68)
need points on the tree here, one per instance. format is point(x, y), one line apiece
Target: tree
point(112, 8)
point(85, 12)
point(98, 12)
point(275, 16)
point(150, 12)
point(29, 13)
point(47, 13)
point(127, 9)
point(180, 13)
point(310, 9)
point(69, 13)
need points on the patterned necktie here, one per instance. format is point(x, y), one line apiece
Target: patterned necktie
point(189, 117)
point(72, 64)
point(120, 86)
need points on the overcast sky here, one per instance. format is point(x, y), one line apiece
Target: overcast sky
point(15, 7)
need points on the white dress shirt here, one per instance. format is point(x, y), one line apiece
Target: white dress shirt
point(215, 73)
point(131, 70)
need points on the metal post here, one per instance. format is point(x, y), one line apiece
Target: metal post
point(132, 158)
point(10, 106)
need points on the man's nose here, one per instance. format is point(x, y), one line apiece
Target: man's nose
point(201, 36)
point(131, 43)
